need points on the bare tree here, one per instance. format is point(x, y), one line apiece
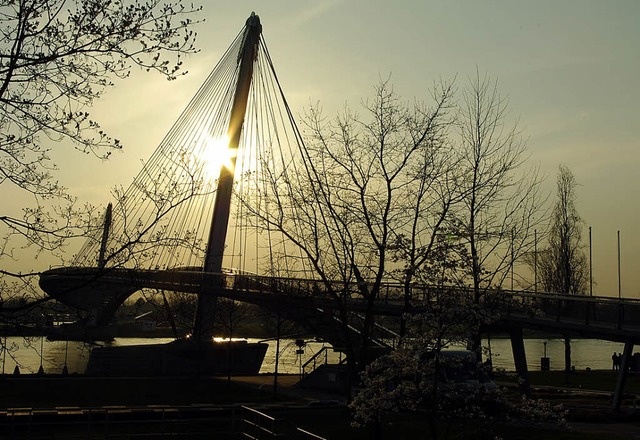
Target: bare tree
point(501, 201)
point(563, 265)
point(146, 228)
point(362, 196)
point(421, 247)
point(56, 58)
point(389, 195)
point(145, 232)
point(229, 315)
point(183, 308)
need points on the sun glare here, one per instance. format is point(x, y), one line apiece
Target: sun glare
point(217, 154)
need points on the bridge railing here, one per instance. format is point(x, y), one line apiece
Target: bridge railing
point(321, 357)
point(615, 313)
point(589, 310)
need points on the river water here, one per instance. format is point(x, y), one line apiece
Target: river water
point(30, 353)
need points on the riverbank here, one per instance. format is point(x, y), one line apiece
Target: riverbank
point(54, 390)
point(249, 330)
point(595, 380)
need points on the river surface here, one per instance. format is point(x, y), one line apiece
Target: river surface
point(30, 353)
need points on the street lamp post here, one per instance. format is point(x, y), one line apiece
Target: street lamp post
point(590, 264)
point(535, 260)
point(619, 281)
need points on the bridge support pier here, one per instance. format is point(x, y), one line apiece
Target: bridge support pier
point(625, 363)
point(520, 358)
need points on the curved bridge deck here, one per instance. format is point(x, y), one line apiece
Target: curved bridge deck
point(595, 317)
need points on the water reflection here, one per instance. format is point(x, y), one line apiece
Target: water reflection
point(585, 353)
point(26, 353)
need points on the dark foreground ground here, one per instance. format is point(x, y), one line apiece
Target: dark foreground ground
point(214, 408)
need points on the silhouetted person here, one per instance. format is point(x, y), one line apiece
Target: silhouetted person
point(615, 362)
point(620, 360)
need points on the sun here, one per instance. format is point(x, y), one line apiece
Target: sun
point(217, 154)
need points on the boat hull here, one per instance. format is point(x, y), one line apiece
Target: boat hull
point(178, 358)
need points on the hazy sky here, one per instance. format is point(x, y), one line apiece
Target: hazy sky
point(569, 67)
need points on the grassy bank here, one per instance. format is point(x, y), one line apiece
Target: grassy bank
point(597, 380)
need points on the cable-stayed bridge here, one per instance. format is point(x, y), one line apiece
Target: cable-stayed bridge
point(215, 194)
point(212, 195)
point(199, 199)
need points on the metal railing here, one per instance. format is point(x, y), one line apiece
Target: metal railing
point(117, 422)
point(317, 359)
point(120, 422)
point(620, 314)
point(257, 425)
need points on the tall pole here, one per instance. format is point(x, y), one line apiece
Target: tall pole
point(205, 313)
point(535, 260)
point(41, 369)
point(590, 264)
point(275, 372)
point(619, 282)
point(4, 353)
point(65, 368)
point(512, 254)
point(590, 308)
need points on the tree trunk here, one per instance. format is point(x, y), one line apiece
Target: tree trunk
point(567, 355)
point(275, 372)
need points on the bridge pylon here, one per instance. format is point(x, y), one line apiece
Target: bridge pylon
point(205, 313)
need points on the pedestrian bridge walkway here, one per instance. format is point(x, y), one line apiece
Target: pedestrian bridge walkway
point(577, 315)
